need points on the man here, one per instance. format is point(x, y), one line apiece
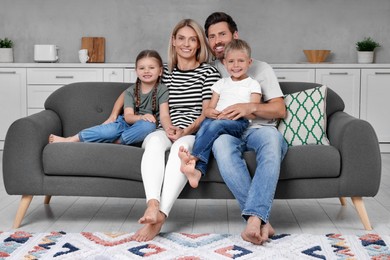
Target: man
point(255, 196)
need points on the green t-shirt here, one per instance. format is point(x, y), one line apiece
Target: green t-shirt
point(146, 101)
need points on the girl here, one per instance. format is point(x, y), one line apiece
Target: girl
point(145, 104)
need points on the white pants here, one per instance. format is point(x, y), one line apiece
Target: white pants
point(163, 183)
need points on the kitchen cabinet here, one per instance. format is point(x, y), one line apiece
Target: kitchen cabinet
point(113, 75)
point(375, 105)
point(129, 75)
point(41, 82)
point(346, 83)
point(12, 98)
point(300, 75)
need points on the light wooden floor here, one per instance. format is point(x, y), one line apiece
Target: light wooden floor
point(75, 214)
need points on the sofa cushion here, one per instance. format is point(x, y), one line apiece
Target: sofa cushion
point(306, 117)
point(93, 159)
point(311, 161)
point(123, 162)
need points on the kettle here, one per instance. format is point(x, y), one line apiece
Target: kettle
point(45, 53)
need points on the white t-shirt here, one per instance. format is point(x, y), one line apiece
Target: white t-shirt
point(270, 88)
point(232, 92)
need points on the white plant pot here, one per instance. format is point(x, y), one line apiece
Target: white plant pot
point(365, 56)
point(6, 55)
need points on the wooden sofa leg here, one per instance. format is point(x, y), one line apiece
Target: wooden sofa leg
point(23, 206)
point(343, 201)
point(47, 199)
point(361, 209)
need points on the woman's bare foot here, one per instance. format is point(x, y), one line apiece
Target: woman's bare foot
point(151, 213)
point(150, 231)
point(252, 232)
point(60, 139)
point(188, 167)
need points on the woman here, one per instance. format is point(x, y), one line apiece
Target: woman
point(189, 79)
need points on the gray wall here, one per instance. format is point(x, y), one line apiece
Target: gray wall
point(278, 30)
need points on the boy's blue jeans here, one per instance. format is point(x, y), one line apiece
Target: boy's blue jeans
point(210, 130)
point(118, 130)
point(255, 195)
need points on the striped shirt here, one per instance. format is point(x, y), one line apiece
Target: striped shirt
point(187, 90)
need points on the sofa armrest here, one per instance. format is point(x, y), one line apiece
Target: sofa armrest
point(22, 155)
point(360, 154)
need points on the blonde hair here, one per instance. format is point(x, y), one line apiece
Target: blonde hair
point(238, 45)
point(202, 54)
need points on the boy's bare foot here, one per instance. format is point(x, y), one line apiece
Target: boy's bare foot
point(188, 167)
point(150, 231)
point(60, 139)
point(266, 231)
point(252, 232)
point(151, 213)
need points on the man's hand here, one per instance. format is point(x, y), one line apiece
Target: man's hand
point(236, 111)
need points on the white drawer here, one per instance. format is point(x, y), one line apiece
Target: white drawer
point(301, 75)
point(62, 76)
point(37, 95)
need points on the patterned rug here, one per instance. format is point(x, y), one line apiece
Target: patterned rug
point(105, 246)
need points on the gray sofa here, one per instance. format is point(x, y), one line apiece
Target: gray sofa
point(349, 167)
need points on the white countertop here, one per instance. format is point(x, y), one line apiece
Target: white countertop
point(132, 65)
point(66, 65)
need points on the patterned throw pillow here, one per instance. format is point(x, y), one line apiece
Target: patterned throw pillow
point(306, 117)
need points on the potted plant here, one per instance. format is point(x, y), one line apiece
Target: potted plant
point(6, 52)
point(366, 49)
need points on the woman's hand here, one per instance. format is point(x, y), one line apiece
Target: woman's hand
point(174, 133)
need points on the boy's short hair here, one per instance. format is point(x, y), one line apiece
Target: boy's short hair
point(238, 44)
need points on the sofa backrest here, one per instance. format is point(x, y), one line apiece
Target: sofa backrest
point(84, 104)
point(334, 102)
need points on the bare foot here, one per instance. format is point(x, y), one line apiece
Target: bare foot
point(60, 139)
point(266, 231)
point(151, 213)
point(188, 167)
point(252, 231)
point(150, 231)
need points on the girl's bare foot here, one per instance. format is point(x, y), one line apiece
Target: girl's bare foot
point(151, 213)
point(252, 232)
point(60, 139)
point(188, 167)
point(150, 231)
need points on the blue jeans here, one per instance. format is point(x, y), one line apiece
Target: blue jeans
point(118, 130)
point(255, 196)
point(210, 130)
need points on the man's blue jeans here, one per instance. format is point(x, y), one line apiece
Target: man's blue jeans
point(255, 196)
point(118, 130)
point(210, 130)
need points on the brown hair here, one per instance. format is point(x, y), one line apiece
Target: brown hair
point(137, 89)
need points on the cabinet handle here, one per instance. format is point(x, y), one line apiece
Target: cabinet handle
point(7, 72)
point(338, 73)
point(281, 77)
point(64, 77)
point(382, 73)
